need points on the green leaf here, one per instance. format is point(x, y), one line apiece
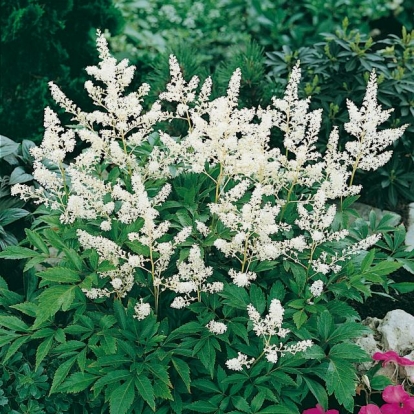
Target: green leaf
point(241, 404)
point(42, 350)
point(36, 241)
point(74, 258)
point(207, 354)
point(17, 252)
point(346, 331)
point(60, 275)
point(318, 391)
point(13, 323)
point(119, 312)
point(183, 371)
point(379, 382)
point(384, 268)
point(77, 382)
point(258, 298)
point(351, 352)
point(341, 380)
point(205, 385)
point(202, 407)
point(144, 387)
point(277, 409)
point(28, 308)
point(300, 318)
point(7, 146)
point(61, 374)
point(14, 347)
point(403, 287)
point(122, 398)
point(325, 325)
point(10, 215)
point(19, 175)
point(52, 300)
point(184, 330)
point(110, 378)
point(258, 401)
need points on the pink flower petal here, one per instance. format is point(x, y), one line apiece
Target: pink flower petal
point(389, 356)
point(370, 409)
point(319, 410)
point(394, 394)
point(405, 361)
point(395, 409)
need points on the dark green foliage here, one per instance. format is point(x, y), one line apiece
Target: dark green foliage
point(45, 40)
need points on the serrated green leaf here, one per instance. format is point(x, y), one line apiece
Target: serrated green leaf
point(60, 275)
point(207, 355)
point(119, 313)
point(42, 350)
point(318, 391)
point(77, 382)
point(145, 390)
point(348, 351)
point(300, 318)
point(74, 258)
point(341, 381)
point(257, 298)
point(325, 325)
point(122, 398)
point(183, 330)
point(183, 371)
point(346, 331)
point(36, 241)
point(61, 374)
point(258, 401)
point(28, 308)
point(13, 323)
point(53, 299)
point(14, 347)
point(111, 378)
point(241, 404)
point(202, 407)
point(205, 385)
point(17, 252)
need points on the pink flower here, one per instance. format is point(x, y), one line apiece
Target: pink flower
point(391, 356)
point(370, 409)
point(319, 410)
point(399, 401)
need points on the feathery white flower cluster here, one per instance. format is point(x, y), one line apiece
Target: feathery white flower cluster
point(316, 288)
point(191, 278)
point(271, 326)
point(237, 364)
point(142, 310)
point(363, 124)
point(216, 328)
point(122, 277)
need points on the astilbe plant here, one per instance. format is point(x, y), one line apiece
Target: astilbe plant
point(179, 260)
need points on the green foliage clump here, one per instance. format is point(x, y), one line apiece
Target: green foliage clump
point(141, 221)
point(44, 40)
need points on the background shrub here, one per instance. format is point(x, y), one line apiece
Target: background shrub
point(44, 40)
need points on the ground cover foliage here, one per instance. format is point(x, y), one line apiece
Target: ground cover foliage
point(206, 271)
